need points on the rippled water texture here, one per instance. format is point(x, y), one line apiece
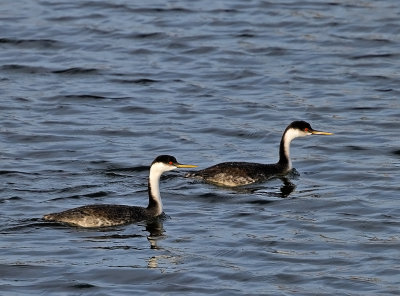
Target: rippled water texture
point(92, 91)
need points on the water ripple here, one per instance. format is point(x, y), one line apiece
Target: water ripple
point(92, 91)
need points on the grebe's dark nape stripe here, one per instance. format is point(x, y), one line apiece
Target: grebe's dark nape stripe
point(242, 173)
point(111, 215)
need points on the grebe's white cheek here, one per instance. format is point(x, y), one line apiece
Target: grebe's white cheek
point(160, 167)
point(303, 133)
point(292, 134)
point(169, 167)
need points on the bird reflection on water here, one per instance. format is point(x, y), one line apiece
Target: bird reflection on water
point(285, 189)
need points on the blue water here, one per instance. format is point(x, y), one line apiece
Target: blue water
point(91, 92)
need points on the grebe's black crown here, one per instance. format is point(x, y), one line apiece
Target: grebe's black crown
point(165, 159)
point(301, 125)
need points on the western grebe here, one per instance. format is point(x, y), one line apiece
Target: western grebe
point(242, 173)
point(100, 215)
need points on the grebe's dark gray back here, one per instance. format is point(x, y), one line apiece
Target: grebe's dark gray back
point(100, 215)
point(243, 173)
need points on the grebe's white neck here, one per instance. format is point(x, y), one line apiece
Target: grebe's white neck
point(156, 171)
point(287, 138)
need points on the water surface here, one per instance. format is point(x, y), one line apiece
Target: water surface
point(91, 92)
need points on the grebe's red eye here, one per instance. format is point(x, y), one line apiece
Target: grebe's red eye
point(306, 129)
point(171, 162)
